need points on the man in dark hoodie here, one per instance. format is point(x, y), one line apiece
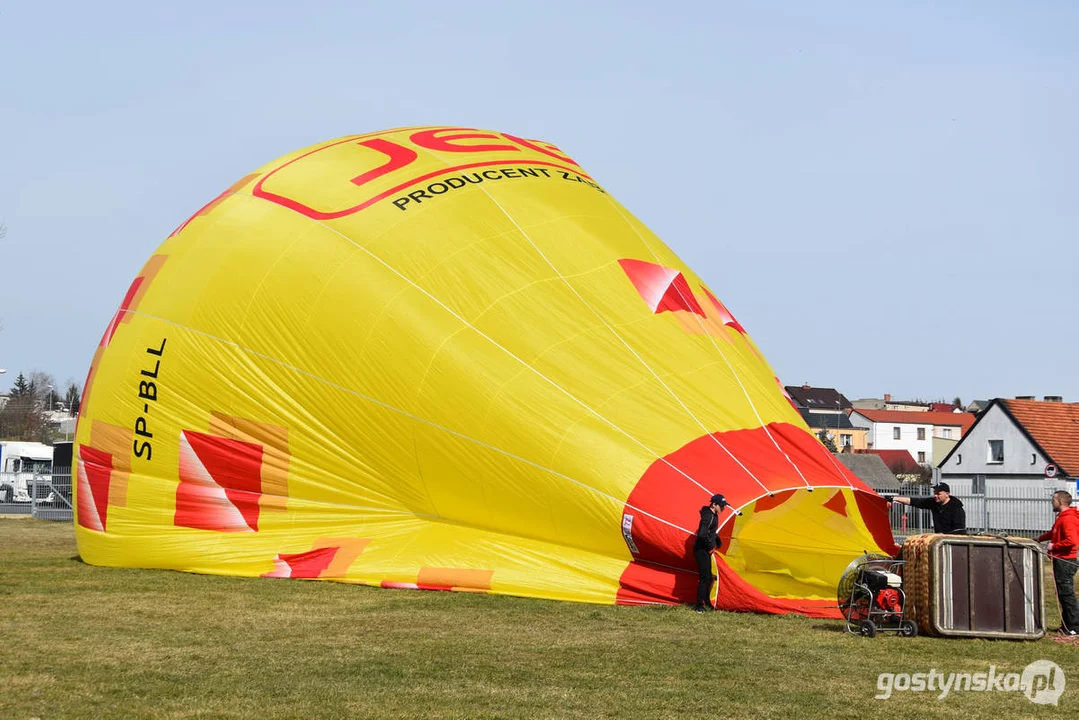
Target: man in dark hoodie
point(1063, 546)
point(705, 543)
point(949, 517)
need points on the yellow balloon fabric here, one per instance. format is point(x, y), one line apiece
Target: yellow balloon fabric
point(447, 358)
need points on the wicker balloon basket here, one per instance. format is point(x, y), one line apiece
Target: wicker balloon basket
point(974, 586)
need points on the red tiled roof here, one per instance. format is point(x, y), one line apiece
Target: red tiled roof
point(1054, 425)
point(898, 461)
point(964, 420)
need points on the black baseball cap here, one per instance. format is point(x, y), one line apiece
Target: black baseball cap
point(941, 487)
point(718, 500)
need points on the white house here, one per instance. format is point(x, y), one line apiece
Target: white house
point(1012, 444)
point(1002, 465)
point(910, 431)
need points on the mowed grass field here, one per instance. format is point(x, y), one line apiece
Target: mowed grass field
point(90, 642)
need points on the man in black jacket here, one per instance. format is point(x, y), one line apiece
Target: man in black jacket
point(704, 545)
point(949, 517)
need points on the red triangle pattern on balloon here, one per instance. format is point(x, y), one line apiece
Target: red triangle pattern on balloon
point(837, 503)
point(663, 288)
point(310, 564)
point(220, 483)
point(95, 475)
point(724, 314)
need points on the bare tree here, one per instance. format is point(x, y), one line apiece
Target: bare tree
point(44, 387)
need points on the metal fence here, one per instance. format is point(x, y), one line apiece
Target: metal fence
point(1015, 510)
point(44, 496)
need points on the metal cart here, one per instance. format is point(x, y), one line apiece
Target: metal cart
point(871, 597)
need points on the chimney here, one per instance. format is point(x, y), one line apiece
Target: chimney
point(805, 386)
point(887, 397)
point(1024, 397)
point(1054, 398)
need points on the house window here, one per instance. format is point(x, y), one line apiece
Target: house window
point(895, 433)
point(979, 485)
point(921, 457)
point(996, 451)
point(846, 440)
point(921, 433)
point(947, 433)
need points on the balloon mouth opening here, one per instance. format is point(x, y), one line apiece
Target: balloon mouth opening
point(784, 543)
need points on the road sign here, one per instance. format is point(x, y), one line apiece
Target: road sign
point(1050, 470)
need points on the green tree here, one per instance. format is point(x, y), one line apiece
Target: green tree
point(72, 397)
point(24, 417)
point(21, 388)
point(827, 440)
point(21, 418)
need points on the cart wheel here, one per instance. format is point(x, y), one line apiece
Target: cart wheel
point(907, 628)
point(867, 628)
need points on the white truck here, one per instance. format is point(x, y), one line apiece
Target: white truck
point(19, 463)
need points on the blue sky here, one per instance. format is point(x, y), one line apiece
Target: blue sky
point(884, 194)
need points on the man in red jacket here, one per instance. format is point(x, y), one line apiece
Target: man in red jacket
point(1063, 544)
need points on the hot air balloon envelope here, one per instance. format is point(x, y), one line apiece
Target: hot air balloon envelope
point(447, 358)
